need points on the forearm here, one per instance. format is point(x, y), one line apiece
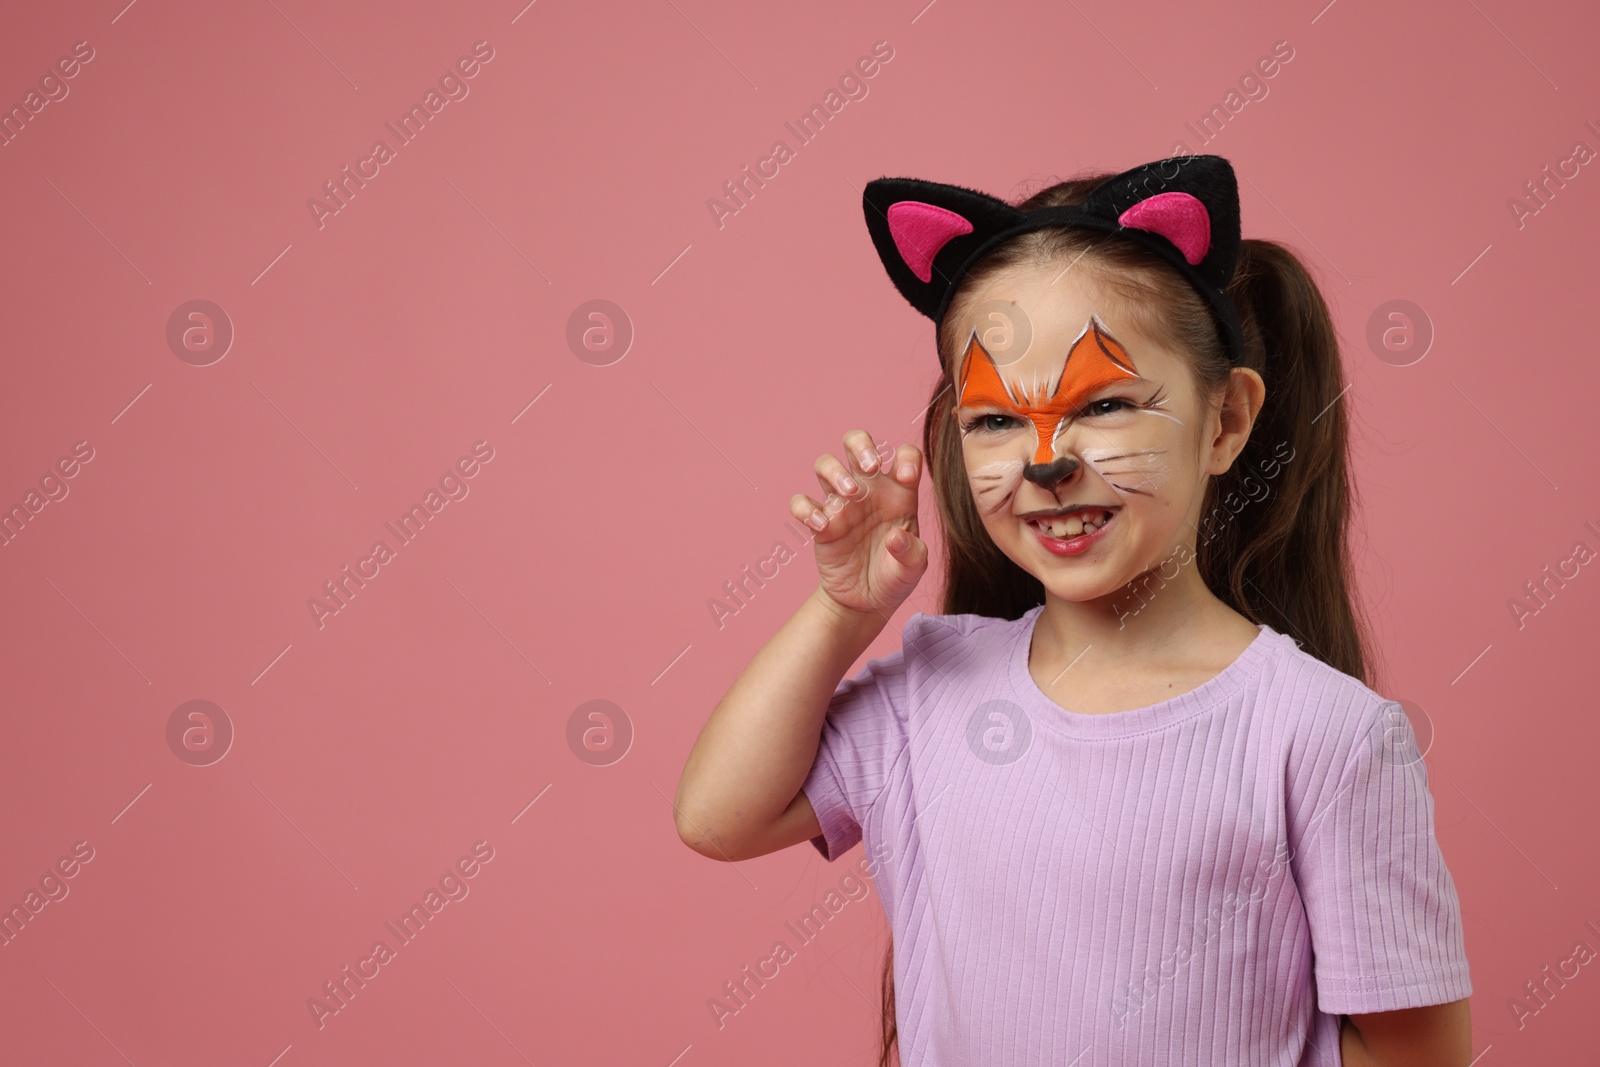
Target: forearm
point(1353, 1051)
point(759, 744)
point(1439, 1035)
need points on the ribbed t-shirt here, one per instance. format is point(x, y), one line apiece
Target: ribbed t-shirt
point(1213, 879)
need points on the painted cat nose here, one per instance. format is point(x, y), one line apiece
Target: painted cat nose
point(1047, 475)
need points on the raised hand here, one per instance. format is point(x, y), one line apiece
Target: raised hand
point(869, 557)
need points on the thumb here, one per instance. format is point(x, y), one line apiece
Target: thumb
point(909, 550)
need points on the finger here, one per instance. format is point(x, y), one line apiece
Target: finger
point(912, 551)
point(907, 464)
point(808, 511)
point(834, 477)
point(863, 453)
point(831, 506)
point(916, 557)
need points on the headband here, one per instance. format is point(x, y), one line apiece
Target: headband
point(1184, 209)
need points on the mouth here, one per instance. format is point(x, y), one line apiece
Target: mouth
point(1071, 530)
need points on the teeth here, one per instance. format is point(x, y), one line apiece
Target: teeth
point(1073, 525)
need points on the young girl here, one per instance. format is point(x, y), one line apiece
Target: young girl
point(1128, 799)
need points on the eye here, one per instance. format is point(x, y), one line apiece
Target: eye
point(1094, 408)
point(989, 423)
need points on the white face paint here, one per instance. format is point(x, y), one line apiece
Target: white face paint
point(993, 484)
point(1062, 424)
point(1137, 471)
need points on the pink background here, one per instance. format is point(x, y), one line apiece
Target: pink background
point(372, 752)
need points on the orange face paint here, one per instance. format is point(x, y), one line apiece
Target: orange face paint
point(1095, 360)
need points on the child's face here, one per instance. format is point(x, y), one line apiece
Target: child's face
point(1117, 426)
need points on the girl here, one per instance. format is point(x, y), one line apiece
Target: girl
point(1128, 799)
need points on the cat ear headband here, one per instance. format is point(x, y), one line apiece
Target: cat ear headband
point(1184, 209)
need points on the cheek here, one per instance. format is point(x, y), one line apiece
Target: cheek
point(1130, 473)
point(1138, 460)
point(994, 483)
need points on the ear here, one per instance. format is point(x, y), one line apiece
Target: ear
point(1240, 404)
point(1179, 217)
point(1185, 209)
point(1189, 203)
point(923, 232)
point(920, 230)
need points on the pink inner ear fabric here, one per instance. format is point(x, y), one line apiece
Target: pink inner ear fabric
point(1178, 217)
point(920, 230)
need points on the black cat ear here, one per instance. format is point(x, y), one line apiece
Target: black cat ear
point(1184, 209)
point(1191, 201)
point(924, 231)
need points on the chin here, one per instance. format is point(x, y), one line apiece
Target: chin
point(1065, 578)
point(1079, 592)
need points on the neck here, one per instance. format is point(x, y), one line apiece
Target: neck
point(1151, 614)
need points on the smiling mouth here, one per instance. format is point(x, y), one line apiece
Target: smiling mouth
point(1070, 522)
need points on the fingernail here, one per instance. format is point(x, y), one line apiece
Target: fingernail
point(906, 469)
point(817, 520)
point(869, 459)
point(847, 484)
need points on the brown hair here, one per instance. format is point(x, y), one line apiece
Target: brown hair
point(1272, 543)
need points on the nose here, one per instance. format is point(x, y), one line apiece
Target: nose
point(1047, 475)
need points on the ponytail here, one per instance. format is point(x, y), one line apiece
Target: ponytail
point(1273, 535)
point(891, 1033)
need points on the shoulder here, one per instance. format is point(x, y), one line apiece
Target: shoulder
point(935, 651)
point(939, 649)
point(949, 639)
point(936, 626)
point(1331, 718)
point(1324, 694)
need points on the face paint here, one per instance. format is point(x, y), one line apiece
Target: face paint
point(993, 484)
point(1095, 360)
point(1140, 471)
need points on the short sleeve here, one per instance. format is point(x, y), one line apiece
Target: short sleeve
point(862, 737)
point(1385, 922)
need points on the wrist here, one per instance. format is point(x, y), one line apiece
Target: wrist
point(865, 622)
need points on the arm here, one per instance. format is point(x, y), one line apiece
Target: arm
point(1439, 1035)
point(739, 795)
point(1385, 919)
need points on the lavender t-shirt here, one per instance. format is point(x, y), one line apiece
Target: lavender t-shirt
point(1213, 879)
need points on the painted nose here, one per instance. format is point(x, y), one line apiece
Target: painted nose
point(1047, 475)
